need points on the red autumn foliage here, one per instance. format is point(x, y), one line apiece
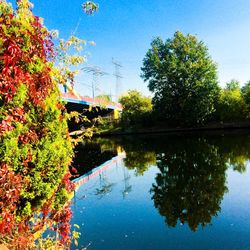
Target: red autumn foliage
point(69, 185)
point(10, 186)
point(17, 67)
point(63, 224)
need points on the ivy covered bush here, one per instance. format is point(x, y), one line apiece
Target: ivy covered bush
point(35, 148)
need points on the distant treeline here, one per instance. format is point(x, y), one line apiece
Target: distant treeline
point(184, 81)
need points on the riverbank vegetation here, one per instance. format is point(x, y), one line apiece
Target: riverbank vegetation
point(36, 149)
point(186, 93)
point(136, 108)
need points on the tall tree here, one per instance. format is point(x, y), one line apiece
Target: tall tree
point(183, 78)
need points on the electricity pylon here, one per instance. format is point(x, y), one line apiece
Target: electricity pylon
point(118, 77)
point(96, 73)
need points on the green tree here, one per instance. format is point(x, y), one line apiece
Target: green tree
point(245, 91)
point(231, 105)
point(233, 85)
point(136, 107)
point(183, 78)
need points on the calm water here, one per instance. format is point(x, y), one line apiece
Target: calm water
point(169, 192)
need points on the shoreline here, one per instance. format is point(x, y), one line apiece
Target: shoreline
point(161, 130)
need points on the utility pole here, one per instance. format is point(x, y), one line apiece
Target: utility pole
point(96, 73)
point(118, 77)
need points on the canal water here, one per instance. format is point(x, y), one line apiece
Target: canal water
point(164, 192)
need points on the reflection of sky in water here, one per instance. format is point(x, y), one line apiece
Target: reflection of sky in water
point(115, 210)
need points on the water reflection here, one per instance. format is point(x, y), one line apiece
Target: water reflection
point(191, 182)
point(139, 160)
point(105, 186)
point(127, 186)
point(91, 154)
point(140, 154)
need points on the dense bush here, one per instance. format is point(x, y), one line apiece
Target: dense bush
point(35, 147)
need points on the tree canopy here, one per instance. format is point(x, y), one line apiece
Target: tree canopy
point(245, 91)
point(135, 107)
point(233, 85)
point(231, 105)
point(183, 78)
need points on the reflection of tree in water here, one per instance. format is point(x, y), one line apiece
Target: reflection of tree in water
point(191, 183)
point(139, 153)
point(239, 163)
point(139, 160)
point(237, 151)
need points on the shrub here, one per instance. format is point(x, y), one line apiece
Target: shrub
point(35, 148)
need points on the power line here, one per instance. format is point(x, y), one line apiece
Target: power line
point(96, 73)
point(118, 77)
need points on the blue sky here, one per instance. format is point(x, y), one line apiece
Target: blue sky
point(123, 29)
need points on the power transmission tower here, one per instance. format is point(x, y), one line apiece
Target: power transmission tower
point(96, 73)
point(118, 77)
